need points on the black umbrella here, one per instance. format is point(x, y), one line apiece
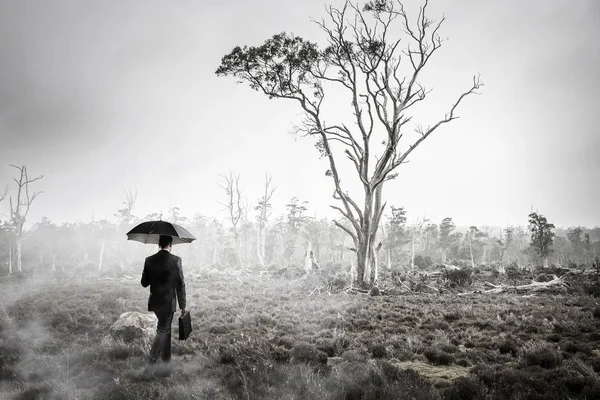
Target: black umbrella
point(150, 231)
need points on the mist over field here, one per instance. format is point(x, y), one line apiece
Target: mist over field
point(385, 199)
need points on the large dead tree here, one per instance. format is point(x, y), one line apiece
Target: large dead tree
point(19, 208)
point(379, 68)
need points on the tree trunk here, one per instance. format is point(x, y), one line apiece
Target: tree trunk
point(307, 259)
point(101, 258)
point(364, 273)
point(237, 249)
point(365, 240)
point(471, 252)
point(374, 278)
point(353, 273)
point(10, 260)
point(412, 253)
point(245, 244)
point(18, 245)
point(260, 246)
point(389, 260)
point(364, 251)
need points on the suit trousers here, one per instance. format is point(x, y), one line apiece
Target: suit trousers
point(161, 347)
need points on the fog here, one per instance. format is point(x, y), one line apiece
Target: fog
point(92, 95)
point(117, 109)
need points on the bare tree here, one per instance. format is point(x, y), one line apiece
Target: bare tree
point(126, 214)
point(417, 239)
point(19, 208)
point(4, 193)
point(126, 217)
point(234, 206)
point(367, 63)
point(264, 209)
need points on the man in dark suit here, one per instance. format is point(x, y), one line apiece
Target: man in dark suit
point(164, 274)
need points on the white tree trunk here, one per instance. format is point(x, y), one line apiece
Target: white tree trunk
point(367, 271)
point(412, 253)
point(19, 266)
point(101, 258)
point(260, 246)
point(307, 259)
point(472, 259)
point(353, 272)
point(374, 268)
point(10, 260)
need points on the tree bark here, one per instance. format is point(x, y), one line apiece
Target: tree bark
point(389, 260)
point(412, 253)
point(18, 248)
point(10, 267)
point(101, 257)
point(260, 246)
point(471, 252)
point(307, 259)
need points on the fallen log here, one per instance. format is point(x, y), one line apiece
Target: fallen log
point(555, 285)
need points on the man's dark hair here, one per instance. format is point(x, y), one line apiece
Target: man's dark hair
point(165, 241)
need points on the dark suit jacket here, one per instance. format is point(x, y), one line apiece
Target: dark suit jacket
point(164, 274)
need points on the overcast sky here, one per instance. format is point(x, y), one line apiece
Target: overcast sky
point(101, 96)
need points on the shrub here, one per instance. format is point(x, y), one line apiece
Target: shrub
point(378, 351)
point(423, 262)
point(466, 388)
point(573, 347)
point(381, 381)
point(355, 355)
point(438, 357)
point(513, 272)
point(281, 354)
point(452, 316)
point(543, 356)
point(458, 277)
point(509, 346)
point(307, 353)
point(10, 354)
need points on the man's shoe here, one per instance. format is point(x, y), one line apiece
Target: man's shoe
point(149, 371)
point(163, 370)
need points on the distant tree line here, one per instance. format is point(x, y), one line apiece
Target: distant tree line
point(250, 237)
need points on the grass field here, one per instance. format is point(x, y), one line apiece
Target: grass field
point(271, 338)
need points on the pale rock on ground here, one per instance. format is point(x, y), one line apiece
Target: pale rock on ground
point(133, 326)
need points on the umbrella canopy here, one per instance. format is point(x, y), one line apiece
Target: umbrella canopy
point(150, 231)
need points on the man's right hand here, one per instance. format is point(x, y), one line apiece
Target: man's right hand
point(183, 311)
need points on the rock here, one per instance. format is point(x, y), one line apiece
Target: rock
point(133, 325)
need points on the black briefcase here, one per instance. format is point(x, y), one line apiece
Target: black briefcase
point(185, 326)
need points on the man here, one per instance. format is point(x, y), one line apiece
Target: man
point(164, 274)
